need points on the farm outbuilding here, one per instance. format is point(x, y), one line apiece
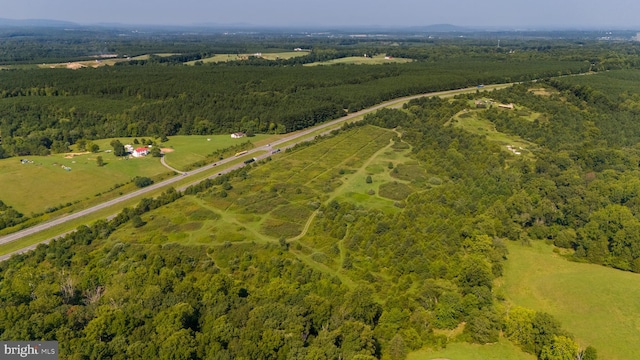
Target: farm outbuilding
point(237, 135)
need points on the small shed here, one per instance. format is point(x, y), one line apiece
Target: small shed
point(237, 135)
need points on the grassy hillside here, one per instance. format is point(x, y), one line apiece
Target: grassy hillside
point(598, 305)
point(502, 350)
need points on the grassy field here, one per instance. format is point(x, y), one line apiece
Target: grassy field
point(382, 178)
point(598, 305)
point(94, 62)
point(193, 148)
point(361, 60)
point(43, 182)
point(237, 57)
point(82, 64)
point(502, 350)
point(473, 122)
point(49, 184)
point(279, 198)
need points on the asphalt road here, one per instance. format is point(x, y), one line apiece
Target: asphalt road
point(299, 135)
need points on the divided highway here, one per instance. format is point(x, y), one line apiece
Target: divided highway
point(291, 139)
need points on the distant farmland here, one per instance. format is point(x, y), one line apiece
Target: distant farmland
point(362, 60)
point(239, 57)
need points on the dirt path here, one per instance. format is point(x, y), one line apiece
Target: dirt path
point(335, 194)
point(164, 163)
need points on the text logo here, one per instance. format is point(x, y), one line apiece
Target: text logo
point(36, 350)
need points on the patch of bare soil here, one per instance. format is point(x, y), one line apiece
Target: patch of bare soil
point(72, 155)
point(74, 66)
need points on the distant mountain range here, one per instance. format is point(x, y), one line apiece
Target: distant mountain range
point(433, 28)
point(68, 24)
point(36, 23)
point(441, 28)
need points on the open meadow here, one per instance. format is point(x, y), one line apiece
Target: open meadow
point(276, 199)
point(475, 122)
point(49, 184)
point(193, 148)
point(94, 63)
point(362, 60)
point(239, 57)
point(42, 182)
point(598, 305)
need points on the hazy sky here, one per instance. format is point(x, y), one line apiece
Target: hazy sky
point(500, 13)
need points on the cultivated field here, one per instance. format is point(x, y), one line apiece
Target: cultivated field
point(361, 60)
point(598, 305)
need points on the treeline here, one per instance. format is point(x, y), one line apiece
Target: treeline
point(9, 216)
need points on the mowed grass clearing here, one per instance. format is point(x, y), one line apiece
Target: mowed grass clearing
point(382, 192)
point(94, 63)
point(239, 57)
point(473, 122)
point(361, 60)
point(43, 182)
point(502, 350)
point(193, 148)
point(600, 306)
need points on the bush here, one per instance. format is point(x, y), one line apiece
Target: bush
point(142, 181)
point(435, 181)
point(137, 221)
